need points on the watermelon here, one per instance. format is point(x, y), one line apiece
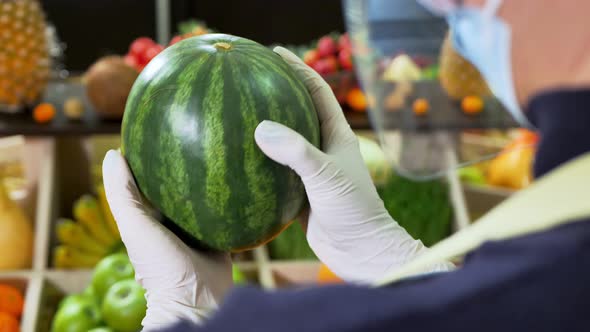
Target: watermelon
point(188, 136)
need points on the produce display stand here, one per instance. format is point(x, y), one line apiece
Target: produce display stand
point(44, 286)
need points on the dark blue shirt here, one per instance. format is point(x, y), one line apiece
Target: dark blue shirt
point(538, 282)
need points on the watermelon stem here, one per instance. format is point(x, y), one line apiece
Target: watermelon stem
point(222, 46)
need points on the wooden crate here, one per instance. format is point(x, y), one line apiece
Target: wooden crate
point(44, 286)
point(39, 160)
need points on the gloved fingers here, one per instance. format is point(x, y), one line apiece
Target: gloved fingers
point(332, 120)
point(180, 283)
point(289, 148)
point(122, 193)
point(139, 231)
point(215, 272)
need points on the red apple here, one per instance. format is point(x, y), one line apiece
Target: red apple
point(326, 47)
point(421, 61)
point(321, 67)
point(345, 58)
point(131, 61)
point(344, 42)
point(332, 63)
point(310, 57)
point(139, 46)
point(152, 52)
point(175, 40)
point(326, 66)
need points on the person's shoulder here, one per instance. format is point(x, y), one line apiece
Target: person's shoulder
point(182, 326)
point(555, 243)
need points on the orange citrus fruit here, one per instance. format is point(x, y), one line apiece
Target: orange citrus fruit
point(421, 106)
point(325, 276)
point(472, 105)
point(43, 113)
point(357, 100)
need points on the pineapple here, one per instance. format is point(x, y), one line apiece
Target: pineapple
point(24, 54)
point(458, 77)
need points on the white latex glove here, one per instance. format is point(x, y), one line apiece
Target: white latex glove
point(180, 283)
point(349, 228)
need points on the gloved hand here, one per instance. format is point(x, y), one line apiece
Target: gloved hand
point(180, 283)
point(349, 228)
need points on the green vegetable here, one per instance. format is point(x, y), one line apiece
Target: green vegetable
point(430, 72)
point(188, 136)
point(376, 161)
point(472, 174)
point(291, 244)
point(189, 25)
point(238, 276)
point(422, 208)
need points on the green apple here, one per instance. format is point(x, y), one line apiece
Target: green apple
point(85, 295)
point(124, 306)
point(71, 299)
point(108, 271)
point(78, 314)
point(238, 276)
point(102, 329)
point(472, 175)
point(89, 293)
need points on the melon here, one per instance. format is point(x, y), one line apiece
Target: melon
point(188, 136)
point(16, 234)
point(108, 82)
point(457, 76)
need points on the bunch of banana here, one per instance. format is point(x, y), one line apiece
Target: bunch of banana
point(92, 236)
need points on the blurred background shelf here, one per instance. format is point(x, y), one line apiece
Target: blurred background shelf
point(56, 94)
point(90, 123)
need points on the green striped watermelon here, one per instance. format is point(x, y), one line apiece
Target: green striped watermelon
point(188, 136)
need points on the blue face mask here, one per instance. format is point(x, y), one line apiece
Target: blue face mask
point(484, 39)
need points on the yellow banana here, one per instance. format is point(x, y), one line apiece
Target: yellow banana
point(87, 213)
point(74, 235)
point(66, 257)
point(106, 211)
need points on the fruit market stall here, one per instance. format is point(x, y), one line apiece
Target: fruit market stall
point(60, 250)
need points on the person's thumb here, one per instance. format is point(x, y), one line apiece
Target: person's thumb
point(289, 148)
